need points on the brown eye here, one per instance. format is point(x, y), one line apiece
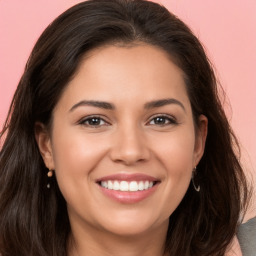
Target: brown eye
point(162, 120)
point(93, 121)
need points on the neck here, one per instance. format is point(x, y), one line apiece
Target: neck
point(96, 242)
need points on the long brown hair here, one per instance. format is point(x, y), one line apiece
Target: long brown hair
point(33, 219)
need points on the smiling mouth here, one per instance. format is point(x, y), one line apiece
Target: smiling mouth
point(127, 186)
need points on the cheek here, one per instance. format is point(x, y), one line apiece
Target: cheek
point(75, 158)
point(179, 162)
point(176, 151)
point(76, 155)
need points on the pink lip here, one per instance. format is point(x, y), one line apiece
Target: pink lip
point(128, 177)
point(128, 197)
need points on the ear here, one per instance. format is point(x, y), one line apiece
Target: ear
point(201, 134)
point(43, 140)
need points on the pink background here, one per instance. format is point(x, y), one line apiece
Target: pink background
point(226, 28)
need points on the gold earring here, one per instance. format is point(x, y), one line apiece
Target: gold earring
point(49, 174)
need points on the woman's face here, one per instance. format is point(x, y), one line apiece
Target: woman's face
point(123, 143)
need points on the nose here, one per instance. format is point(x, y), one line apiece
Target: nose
point(129, 146)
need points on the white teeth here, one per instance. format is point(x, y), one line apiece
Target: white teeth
point(109, 184)
point(104, 184)
point(133, 186)
point(141, 185)
point(116, 185)
point(126, 185)
point(146, 184)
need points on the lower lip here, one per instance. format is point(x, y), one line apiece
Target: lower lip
point(129, 197)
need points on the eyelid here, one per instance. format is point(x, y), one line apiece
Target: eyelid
point(81, 121)
point(172, 119)
point(86, 118)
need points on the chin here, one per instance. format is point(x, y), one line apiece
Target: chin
point(134, 224)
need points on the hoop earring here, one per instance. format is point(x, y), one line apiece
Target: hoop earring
point(196, 187)
point(49, 175)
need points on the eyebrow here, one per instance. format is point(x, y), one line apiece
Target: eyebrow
point(109, 106)
point(93, 103)
point(163, 102)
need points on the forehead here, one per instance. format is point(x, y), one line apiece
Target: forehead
point(118, 73)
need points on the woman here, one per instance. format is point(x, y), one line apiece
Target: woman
point(116, 142)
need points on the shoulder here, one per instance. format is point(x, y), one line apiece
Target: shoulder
point(247, 237)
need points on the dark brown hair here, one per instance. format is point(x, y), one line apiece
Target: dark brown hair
point(34, 220)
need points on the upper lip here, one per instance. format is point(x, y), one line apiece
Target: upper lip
point(128, 177)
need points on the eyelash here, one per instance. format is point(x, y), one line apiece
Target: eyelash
point(90, 118)
point(171, 120)
point(86, 121)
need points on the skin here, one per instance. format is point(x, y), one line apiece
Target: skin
point(126, 139)
point(234, 249)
